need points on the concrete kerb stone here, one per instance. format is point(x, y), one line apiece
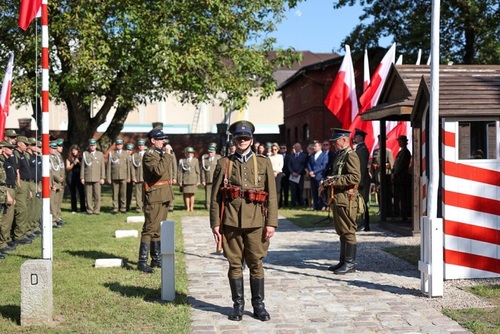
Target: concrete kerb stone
point(135, 219)
point(126, 233)
point(108, 263)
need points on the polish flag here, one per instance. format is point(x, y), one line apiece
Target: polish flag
point(342, 100)
point(5, 95)
point(370, 97)
point(28, 11)
point(366, 72)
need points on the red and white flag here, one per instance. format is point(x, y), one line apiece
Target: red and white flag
point(28, 10)
point(342, 100)
point(5, 95)
point(366, 72)
point(370, 97)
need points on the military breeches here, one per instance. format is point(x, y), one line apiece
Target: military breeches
point(153, 215)
point(345, 223)
point(119, 195)
point(244, 245)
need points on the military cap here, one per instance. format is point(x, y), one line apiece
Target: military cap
point(212, 145)
point(141, 142)
point(156, 133)
point(129, 146)
point(242, 129)
point(338, 133)
point(189, 149)
point(6, 143)
point(211, 149)
point(269, 145)
point(60, 142)
point(359, 132)
point(38, 143)
point(119, 141)
point(53, 144)
point(32, 141)
point(23, 139)
point(92, 142)
point(10, 133)
point(402, 137)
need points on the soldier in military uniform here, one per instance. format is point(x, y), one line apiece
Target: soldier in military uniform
point(173, 170)
point(137, 173)
point(244, 215)
point(56, 183)
point(118, 175)
point(344, 177)
point(11, 181)
point(157, 195)
point(62, 173)
point(23, 193)
point(188, 176)
point(129, 148)
point(35, 162)
point(208, 163)
point(4, 247)
point(92, 175)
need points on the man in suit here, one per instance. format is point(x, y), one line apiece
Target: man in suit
point(402, 180)
point(92, 176)
point(157, 196)
point(249, 217)
point(316, 166)
point(364, 185)
point(119, 175)
point(208, 163)
point(297, 168)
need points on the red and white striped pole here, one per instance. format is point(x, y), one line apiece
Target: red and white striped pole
point(46, 216)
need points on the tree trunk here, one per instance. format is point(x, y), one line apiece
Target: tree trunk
point(116, 126)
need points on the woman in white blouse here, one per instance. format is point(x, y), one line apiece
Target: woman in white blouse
point(277, 160)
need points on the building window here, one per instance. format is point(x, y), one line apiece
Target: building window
point(305, 132)
point(477, 139)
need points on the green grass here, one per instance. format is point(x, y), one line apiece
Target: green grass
point(100, 300)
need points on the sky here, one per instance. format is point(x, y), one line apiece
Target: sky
point(315, 26)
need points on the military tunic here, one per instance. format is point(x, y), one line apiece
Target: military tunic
point(347, 174)
point(243, 222)
point(188, 173)
point(207, 169)
point(157, 192)
point(92, 173)
point(118, 174)
point(10, 168)
point(56, 187)
point(137, 176)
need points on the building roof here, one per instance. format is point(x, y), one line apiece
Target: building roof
point(400, 91)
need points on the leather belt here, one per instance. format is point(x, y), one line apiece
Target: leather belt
point(147, 186)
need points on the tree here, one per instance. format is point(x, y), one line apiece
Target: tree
point(469, 28)
point(126, 52)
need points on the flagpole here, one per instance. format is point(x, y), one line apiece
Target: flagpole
point(46, 216)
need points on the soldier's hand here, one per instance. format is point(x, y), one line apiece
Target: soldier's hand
point(216, 230)
point(269, 232)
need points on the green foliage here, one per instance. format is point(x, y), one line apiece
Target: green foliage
point(128, 52)
point(469, 29)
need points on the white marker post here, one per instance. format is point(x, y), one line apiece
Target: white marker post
point(168, 260)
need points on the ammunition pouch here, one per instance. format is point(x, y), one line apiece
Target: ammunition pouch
point(251, 195)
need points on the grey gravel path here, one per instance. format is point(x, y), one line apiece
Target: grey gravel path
point(383, 296)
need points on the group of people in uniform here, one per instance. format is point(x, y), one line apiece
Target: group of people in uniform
point(20, 191)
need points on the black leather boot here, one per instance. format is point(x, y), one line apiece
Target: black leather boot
point(257, 289)
point(155, 254)
point(236, 285)
point(341, 258)
point(350, 260)
point(142, 265)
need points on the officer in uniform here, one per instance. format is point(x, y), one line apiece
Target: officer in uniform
point(23, 198)
point(62, 173)
point(244, 215)
point(130, 185)
point(157, 196)
point(137, 173)
point(56, 184)
point(10, 168)
point(118, 175)
point(92, 176)
point(364, 184)
point(3, 206)
point(208, 163)
point(173, 169)
point(344, 177)
point(35, 162)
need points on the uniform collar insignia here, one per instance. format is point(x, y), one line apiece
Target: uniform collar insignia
point(244, 157)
